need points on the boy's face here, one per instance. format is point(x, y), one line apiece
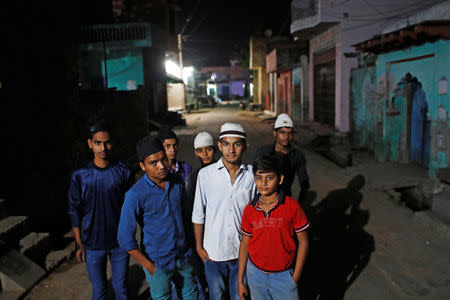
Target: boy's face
point(284, 136)
point(267, 183)
point(101, 145)
point(156, 166)
point(232, 148)
point(171, 146)
point(205, 154)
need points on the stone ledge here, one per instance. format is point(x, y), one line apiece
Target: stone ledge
point(55, 258)
point(36, 246)
point(12, 229)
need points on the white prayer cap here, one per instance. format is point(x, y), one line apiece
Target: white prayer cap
point(232, 130)
point(203, 139)
point(283, 120)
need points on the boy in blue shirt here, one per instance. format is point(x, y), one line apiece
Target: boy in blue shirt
point(96, 195)
point(155, 203)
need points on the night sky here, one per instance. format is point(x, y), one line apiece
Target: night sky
point(217, 28)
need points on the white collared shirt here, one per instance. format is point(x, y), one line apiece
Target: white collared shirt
point(219, 205)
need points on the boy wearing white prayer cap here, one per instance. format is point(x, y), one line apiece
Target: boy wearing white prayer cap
point(223, 190)
point(205, 150)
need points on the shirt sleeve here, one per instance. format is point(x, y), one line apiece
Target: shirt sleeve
point(246, 225)
point(198, 212)
point(302, 174)
point(75, 208)
point(300, 220)
point(126, 232)
point(130, 179)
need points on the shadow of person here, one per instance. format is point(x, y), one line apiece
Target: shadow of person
point(340, 248)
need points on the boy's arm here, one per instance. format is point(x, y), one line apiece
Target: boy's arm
point(303, 178)
point(80, 254)
point(243, 257)
point(127, 232)
point(75, 216)
point(143, 260)
point(302, 251)
point(198, 233)
point(198, 219)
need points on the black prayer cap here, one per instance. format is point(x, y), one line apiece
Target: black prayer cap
point(165, 133)
point(97, 124)
point(147, 146)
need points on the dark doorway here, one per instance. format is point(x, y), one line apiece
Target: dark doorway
point(419, 151)
point(324, 86)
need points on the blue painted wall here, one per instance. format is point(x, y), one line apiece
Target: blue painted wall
point(380, 116)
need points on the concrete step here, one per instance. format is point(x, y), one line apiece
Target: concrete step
point(13, 229)
point(55, 258)
point(36, 247)
point(3, 211)
point(13, 295)
point(18, 273)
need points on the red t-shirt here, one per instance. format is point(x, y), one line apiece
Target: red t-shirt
point(272, 246)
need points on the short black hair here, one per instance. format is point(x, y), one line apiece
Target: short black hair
point(96, 124)
point(267, 164)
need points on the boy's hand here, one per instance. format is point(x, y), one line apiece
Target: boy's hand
point(242, 291)
point(150, 267)
point(203, 254)
point(80, 254)
point(296, 278)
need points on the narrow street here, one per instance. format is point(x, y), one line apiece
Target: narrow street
point(391, 253)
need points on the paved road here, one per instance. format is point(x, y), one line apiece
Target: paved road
point(385, 251)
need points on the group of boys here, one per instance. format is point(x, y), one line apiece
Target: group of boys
point(248, 233)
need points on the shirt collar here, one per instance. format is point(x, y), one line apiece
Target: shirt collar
point(281, 198)
point(154, 184)
point(220, 165)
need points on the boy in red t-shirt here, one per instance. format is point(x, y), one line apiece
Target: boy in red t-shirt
point(268, 253)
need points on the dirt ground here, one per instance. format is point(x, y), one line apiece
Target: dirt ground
point(385, 251)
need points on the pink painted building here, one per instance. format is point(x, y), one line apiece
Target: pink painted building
point(331, 29)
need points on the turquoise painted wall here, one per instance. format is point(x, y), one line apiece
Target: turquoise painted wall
point(364, 105)
point(429, 71)
point(125, 68)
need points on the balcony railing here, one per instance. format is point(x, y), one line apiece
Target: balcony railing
point(115, 32)
point(301, 9)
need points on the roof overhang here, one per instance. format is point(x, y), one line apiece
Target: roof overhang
point(409, 36)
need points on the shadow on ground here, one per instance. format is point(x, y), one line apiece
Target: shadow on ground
point(340, 248)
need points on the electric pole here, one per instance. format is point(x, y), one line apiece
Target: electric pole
point(180, 55)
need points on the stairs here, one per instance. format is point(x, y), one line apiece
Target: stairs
point(25, 256)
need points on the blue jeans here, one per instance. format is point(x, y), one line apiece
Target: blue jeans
point(271, 286)
point(222, 279)
point(96, 266)
point(182, 276)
